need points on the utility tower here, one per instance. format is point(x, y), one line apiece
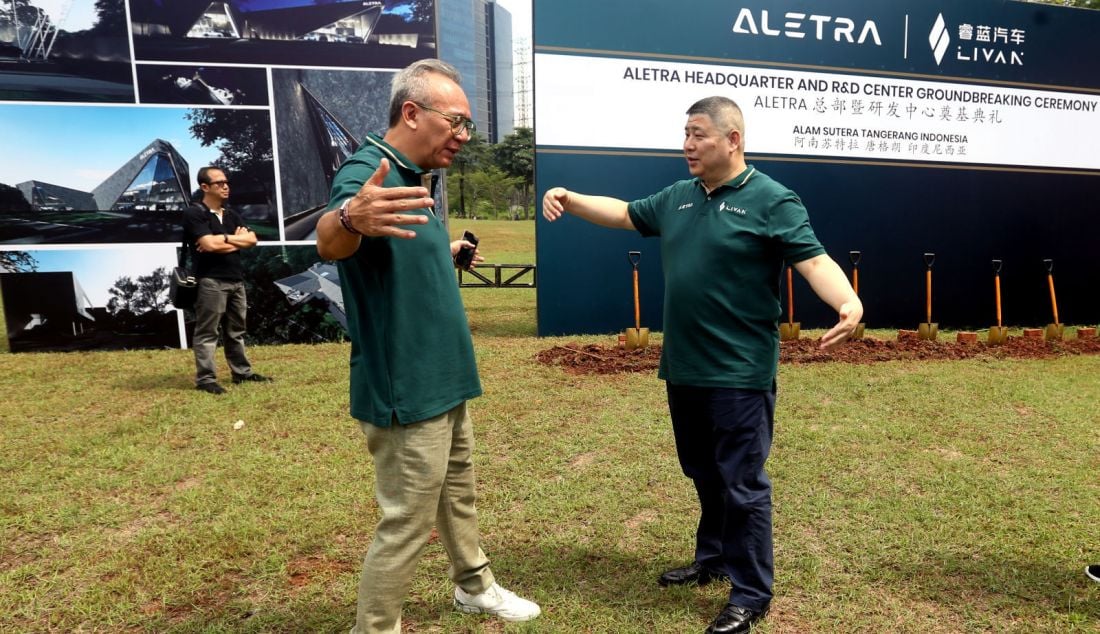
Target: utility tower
point(524, 117)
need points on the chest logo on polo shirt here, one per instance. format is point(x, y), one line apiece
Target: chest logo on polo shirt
point(685, 206)
point(737, 210)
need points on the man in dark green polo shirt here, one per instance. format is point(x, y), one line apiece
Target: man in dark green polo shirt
point(725, 236)
point(412, 357)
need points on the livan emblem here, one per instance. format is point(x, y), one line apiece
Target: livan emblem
point(939, 39)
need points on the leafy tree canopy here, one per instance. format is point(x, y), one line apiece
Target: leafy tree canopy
point(141, 295)
point(17, 262)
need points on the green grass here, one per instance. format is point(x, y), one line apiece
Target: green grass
point(909, 496)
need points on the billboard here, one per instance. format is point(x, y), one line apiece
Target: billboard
point(108, 108)
point(964, 129)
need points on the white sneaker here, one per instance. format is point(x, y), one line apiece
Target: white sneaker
point(1093, 572)
point(498, 602)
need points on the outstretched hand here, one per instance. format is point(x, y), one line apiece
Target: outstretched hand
point(376, 210)
point(850, 314)
point(553, 203)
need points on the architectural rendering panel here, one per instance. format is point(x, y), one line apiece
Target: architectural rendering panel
point(65, 51)
point(100, 175)
point(368, 34)
point(97, 298)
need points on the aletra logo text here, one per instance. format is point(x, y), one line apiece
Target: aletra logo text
point(939, 39)
point(798, 25)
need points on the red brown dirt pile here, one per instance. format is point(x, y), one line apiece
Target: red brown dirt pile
point(599, 359)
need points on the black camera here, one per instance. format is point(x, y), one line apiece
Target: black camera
point(465, 256)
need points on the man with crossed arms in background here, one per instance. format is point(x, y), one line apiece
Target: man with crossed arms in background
point(412, 357)
point(725, 236)
point(217, 236)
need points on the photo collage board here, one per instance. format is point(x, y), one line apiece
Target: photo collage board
point(108, 109)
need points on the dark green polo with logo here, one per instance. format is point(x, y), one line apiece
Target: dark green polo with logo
point(722, 255)
point(412, 357)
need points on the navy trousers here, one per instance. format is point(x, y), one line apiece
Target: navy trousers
point(723, 436)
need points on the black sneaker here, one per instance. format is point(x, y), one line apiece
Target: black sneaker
point(259, 378)
point(213, 388)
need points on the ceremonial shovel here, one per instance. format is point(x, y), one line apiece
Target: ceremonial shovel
point(636, 337)
point(997, 334)
point(1055, 330)
point(928, 330)
point(855, 257)
point(789, 331)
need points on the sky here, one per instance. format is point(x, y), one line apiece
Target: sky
point(97, 269)
point(81, 14)
point(80, 146)
point(521, 17)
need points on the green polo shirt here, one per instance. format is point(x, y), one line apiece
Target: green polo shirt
point(412, 357)
point(722, 255)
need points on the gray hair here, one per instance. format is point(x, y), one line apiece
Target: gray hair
point(411, 84)
point(724, 112)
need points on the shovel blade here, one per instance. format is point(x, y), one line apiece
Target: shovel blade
point(789, 331)
point(857, 334)
point(637, 338)
point(928, 331)
point(997, 335)
point(1054, 332)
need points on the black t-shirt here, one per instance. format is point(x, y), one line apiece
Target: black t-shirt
point(199, 221)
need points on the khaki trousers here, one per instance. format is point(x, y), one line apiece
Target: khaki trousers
point(423, 476)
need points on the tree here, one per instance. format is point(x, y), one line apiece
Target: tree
point(473, 155)
point(136, 297)
point(515, 156)
point(111, 16)
point(244, 139)
point(420, 10)
point(17, 262)
point(492, 189)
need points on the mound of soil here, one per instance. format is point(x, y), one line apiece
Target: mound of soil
point(600, 359)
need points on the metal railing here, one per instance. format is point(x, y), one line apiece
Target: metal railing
point(498, 276)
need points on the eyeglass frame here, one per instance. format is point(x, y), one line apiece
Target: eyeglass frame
point(218, 183)
point(461, 122)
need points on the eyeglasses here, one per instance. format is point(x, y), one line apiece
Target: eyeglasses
point(458, 122)
point(218, 183)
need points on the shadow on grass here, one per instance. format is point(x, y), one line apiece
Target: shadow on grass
point(159, 379)
point(992, 586)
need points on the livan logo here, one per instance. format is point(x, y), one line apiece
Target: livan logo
point(737, 210)
point(939, 39)
point(979, 43)
point(796, 26)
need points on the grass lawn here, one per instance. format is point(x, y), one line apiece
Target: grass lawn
point(909, 496)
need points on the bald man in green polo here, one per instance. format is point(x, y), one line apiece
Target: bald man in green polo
point(725, 236)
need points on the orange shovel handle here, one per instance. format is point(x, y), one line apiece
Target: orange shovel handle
point(855, 281)
point(1053, 299)
point(997, 289)
point(637, 307)
point(928, 294)
point(790, 298)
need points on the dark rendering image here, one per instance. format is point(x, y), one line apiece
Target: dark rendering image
point(202, 85)
point(52, 312)
point(340, 33)
point(322, 116)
